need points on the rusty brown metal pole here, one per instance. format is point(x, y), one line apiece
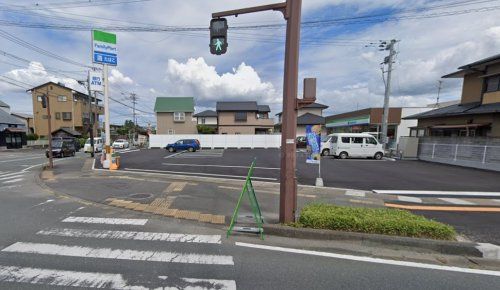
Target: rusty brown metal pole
point(49, 136)
point(288, 181)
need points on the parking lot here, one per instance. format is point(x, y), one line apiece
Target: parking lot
point(365, 174)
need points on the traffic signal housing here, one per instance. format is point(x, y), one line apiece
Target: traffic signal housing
point(218, 36)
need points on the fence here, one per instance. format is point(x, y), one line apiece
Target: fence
point(38, 143)
point(220, 141)
point(483, 153)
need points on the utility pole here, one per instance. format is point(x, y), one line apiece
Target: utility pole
point(91, 126)
point(291, 10)
point(388, 60)
point(133, 98)
point(440, 83)
point(49, 119)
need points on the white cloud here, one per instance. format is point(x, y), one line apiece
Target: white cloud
point(203, 82)
point(119, 78)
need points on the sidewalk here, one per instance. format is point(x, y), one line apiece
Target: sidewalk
point(186, 196)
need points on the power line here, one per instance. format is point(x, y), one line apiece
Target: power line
point(72, 4)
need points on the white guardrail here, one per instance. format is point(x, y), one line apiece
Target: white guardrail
point(220, 141)
point(42, 142)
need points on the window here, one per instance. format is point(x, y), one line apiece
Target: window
point(262, 116)
point(179, 116)
point(357, 140)
point(171, 132)
point(58, 116)
point(334, 139)
point(492, 84)
point(240, 116)
point(346, 140)
point(66, 116)
point(45, 117)
point(39, 98)
point(203, 120)
point(371, 141)
point(62, 98)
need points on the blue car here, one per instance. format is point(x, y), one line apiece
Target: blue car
point(190, 145)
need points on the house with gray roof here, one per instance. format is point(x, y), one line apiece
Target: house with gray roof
point(207, 118)
point(174, 115)
point(12, 130)
point(244, 117)
point(311, 114)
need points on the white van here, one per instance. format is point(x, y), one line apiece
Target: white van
point(344, 145)
point(98, 145)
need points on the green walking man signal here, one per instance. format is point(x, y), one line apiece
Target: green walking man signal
point(218, 36)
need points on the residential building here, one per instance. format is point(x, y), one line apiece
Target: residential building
point(311, 114)
point(477, 114)
point(243, 118)
point(28, 121)
point(175, 115)
point(206, 118)
point(69, 109)
point(12, 130)
point(370, 120)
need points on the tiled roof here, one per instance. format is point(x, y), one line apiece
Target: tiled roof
point(177, 104)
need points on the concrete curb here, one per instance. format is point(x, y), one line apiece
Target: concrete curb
point(444, 247)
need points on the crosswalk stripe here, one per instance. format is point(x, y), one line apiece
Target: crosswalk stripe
point(64, 278)
point(456, 201)
point(13, 180)
point(109, 221)
point(10, 174)
point(119, 254)
point(409, 199)
point(131, 235)
point(13, 176)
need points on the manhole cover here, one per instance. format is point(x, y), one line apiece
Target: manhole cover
point(140, 195)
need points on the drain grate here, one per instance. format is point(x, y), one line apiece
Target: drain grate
point(140, 196)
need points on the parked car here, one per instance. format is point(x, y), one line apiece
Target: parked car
point(190, 145)
point(120, 144)
point(326, 142)
point(69, 139)
point(301, 142)
point(345, 145)
point(98, 145)
point(62, 148)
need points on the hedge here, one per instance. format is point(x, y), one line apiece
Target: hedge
point(386, 221)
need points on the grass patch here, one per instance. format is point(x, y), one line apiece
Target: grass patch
point(386, 221)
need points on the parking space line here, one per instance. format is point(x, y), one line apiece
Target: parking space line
point(457, 201)
point(222, 166)
point(438, 193)
point(175, 154)
point(267, 191)
point(444, 207)
point(198, 174)
point(409, 199)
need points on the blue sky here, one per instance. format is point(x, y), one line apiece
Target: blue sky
point(168, 64)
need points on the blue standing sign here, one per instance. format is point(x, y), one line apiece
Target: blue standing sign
point(313, 137)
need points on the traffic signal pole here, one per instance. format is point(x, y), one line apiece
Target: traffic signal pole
point(49, 136)
point(291, 10)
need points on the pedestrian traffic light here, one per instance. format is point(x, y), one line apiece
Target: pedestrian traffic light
point(218, 36)
point(44, 101)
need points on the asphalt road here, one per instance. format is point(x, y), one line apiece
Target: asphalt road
point(54, 242)
point(364, 174)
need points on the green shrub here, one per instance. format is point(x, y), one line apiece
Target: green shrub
point(203, 129)
point(82, 141)
point(32, 137)
point(384, 221)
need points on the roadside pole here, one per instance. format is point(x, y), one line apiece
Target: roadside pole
point(291, 10)
point(387, 95)
point(91, 126)
point(106, 112)
point(49, 119)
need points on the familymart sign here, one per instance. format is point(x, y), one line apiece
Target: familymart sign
point(104, 48)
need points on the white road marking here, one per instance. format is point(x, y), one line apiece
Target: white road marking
point(10, 174)
point(216, 284)
point(22, 159)
point(42, 203)
point(197, 173)
point(109, 221)
point(118, 254)
point(175, 154)
point(17, 175)
point(497, 200)
point(13, 180)
point(128, 151)
point(131, 235)
point(409, 199)
point(222, 166)
point(357, 193)
point(56, 277)
point(437, 193)
point(371, 260)
point(457, 201)
point(9, 186)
